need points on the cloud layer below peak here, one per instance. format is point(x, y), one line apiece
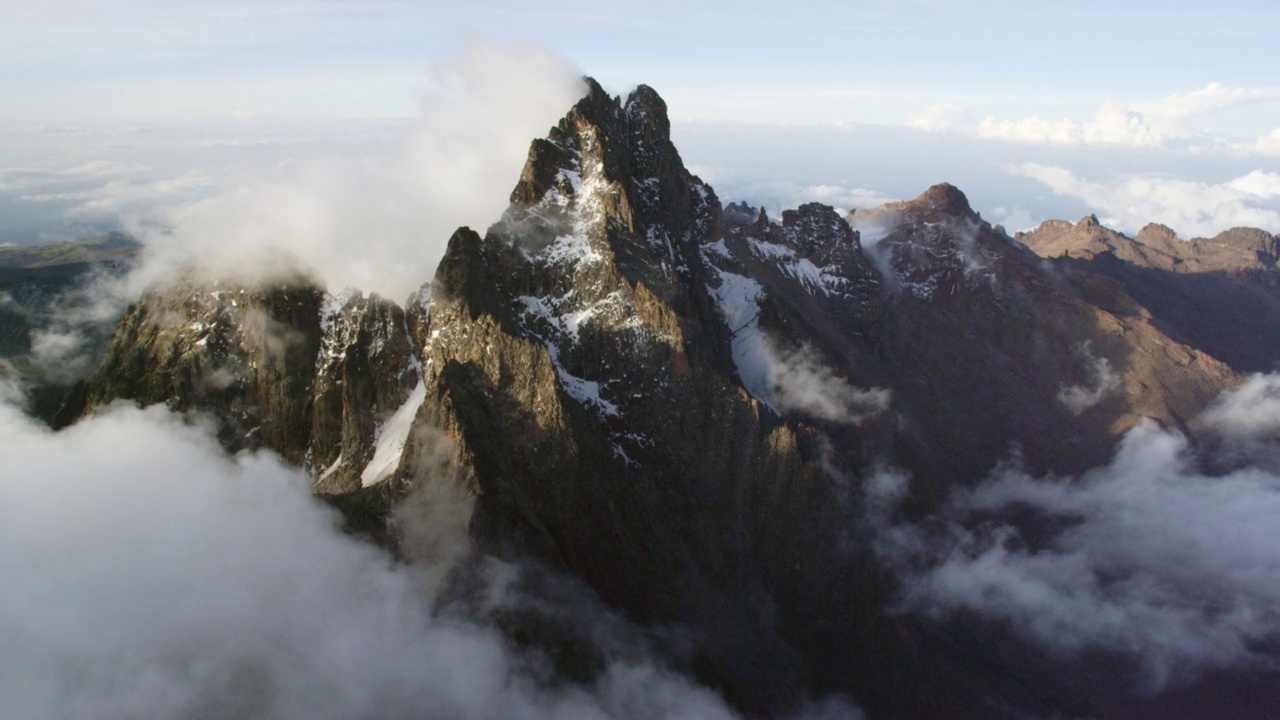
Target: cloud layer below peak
point(1193, 209)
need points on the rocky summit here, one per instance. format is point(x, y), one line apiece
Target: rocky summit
point(681, 402)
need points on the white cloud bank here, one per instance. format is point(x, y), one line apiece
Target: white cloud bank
point(1150, 556)
point(149, 575)
point(1175, 121)
point(375, 223)
point(1191, 208)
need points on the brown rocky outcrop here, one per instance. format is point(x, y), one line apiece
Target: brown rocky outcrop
point(1220, 295)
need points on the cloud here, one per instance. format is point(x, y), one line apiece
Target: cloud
point(16, 179)
point(377, 223)
point(776, 196)
point(1078, 398)
point(1032, 130)
point(1171, 111)
point(875, 226)
point(1258, 183)
point(1268, 144)
point(1148, 557)
point(121, 197)
point(1190, 208)
point(1246, 424)
point(1251, 411)
point(68, 330)
point(1113, 125)
point(939, 117)
point(1154, 124)
point(1118, 125)
point(787, 379)
point(148, 574)
point(1014, 220)
point(797, 381)
point(61, 351)
point(11, 392)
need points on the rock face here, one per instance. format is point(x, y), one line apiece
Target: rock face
point(678, 401)
point(231, 351)
point(1220, 295)
point(317, 378)
point(366, 373)
point(575, 352)
point(986, 349)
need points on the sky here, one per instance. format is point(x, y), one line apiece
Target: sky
point(1135, 111)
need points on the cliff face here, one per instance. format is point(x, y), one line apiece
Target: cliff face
point(1220, 295)
point(678, 401)
point(366, 388)
point(328, 382)
point(235, 352)
point(577, 355)
point(989, 349)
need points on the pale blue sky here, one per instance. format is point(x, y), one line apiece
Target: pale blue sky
point(1139, 111)
point(856, 61)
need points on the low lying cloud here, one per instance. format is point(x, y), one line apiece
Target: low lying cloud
point(1250, 412)
point(1193, 209)
point(68, 330)
point(1151, 557)
point(148, 574)
point(1165, 123)
point(1246, 424)
point(787, 379)
point(46, 181)
point(799, 382)
point(872, 227)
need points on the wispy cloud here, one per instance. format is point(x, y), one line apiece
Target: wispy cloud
point(1102, 381)
point(797, 381)
point(1148, 557)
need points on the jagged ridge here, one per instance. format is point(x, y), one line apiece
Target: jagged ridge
point(618, 364)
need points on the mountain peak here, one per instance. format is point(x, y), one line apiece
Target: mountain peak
point(1262, 244)
point(590, 373)
point(645, 107)
point(1089, 223)
point(943, 198)
point(1157, 235)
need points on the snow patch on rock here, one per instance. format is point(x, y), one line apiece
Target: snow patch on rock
point(391, 439)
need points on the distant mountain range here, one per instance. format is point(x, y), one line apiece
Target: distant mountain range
point(681, 402)
point(40, 286)
point(105, 248)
